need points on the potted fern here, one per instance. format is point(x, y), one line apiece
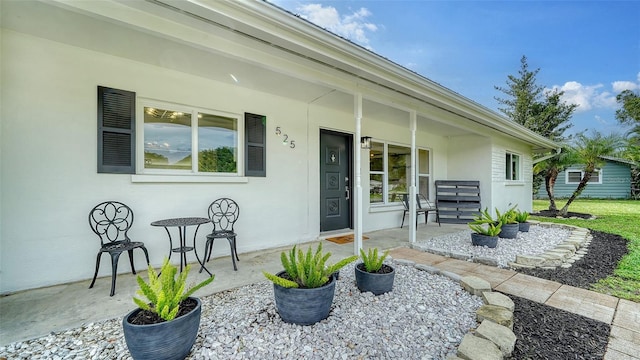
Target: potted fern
point(304, 290)
point(372, 274)
point(521, 218)
point(509, 223)
point(485, 230)
point(165, 325)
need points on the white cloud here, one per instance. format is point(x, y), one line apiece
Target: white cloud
point(352, 26)
point(620, 86)
point(589, 97)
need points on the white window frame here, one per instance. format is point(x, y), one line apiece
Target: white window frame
point(509, 174)
point(566, 176)
point(193, 110)
point(385, 172)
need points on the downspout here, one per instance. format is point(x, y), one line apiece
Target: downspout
point(357, 231)
point(412, 186)
point(558, 151)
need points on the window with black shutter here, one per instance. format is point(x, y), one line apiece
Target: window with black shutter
point(116, 131)
point(256, 144)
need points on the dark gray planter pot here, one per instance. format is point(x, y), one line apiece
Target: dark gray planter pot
point(304, 306)
point(524, 226)
point(509, 231)
point(170, 340)
point(374, 283)
point(484, 240)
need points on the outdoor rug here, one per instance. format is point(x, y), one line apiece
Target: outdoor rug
point(344, 239)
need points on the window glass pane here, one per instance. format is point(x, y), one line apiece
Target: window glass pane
point(375, 188)
point(399, 159)
point(423, 161)
point(423, 186)
point(167, 139)
point(508, 166)
point(515, 167)
point(595, 176)
point(376, 157)
point(217, 143)
point(574, 176)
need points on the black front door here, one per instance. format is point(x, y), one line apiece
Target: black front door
point(335, 180)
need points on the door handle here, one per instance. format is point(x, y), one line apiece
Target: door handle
point(347, 193)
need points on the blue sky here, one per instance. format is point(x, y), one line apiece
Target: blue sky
point(589, 49)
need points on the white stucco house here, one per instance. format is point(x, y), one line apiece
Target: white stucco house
point(278, 104)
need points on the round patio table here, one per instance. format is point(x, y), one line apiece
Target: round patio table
point(182, 224)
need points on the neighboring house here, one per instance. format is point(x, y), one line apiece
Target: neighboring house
point(612, 181)
point(168, 105)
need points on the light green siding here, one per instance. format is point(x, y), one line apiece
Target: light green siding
point(615, 183)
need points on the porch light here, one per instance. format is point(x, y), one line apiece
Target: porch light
point(365, 142)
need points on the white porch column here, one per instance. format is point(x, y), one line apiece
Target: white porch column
point(357, 202)
point(412, 183)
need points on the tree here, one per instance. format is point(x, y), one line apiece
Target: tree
point(541, 111)
point(589, 152)
point(629, 113)
point(523, 92)
point(550, 168)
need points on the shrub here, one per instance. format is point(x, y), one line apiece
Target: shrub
point(490, 230)
point(522, 216)
point(164, 293)
point(372, 262)
point(306, 270)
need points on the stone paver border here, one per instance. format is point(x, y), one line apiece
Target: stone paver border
point(562, 255)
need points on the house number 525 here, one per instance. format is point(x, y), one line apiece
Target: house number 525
point(285, 140)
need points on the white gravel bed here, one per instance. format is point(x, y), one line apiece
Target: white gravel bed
point(538, 240)
point(424, 317)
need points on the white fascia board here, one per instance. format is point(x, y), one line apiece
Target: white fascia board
point(278, 28)
point(373, 66)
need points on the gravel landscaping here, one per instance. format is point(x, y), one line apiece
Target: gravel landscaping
point(425, 317)
point(536, 241)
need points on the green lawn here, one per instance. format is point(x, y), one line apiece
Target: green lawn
point(620, 217)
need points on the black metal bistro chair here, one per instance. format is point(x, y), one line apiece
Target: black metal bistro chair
point(111, 220)
point(223, 213)
point(423, 207)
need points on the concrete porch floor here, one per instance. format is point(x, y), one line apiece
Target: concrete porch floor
point(34, 313)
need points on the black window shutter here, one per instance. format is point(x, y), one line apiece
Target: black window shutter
point(255, 128)
point(116, 131)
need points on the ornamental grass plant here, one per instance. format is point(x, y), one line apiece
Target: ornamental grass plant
point(371, 260)
point(164, 293)
point(306, 270)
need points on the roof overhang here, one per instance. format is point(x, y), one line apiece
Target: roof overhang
point(340, 63)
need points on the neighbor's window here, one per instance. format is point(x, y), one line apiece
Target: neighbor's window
point(512, 169)
point(390, 171)
point(179, 139)
point(574, 176)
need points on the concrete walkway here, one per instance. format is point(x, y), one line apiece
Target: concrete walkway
point(622, 315)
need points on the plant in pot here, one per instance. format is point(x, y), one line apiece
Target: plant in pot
point(165, 325)
point(304, 290)
point(509, 224)
point(521, 218)
point(372, 275)
point(485, 230)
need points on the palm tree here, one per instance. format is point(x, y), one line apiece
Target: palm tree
point(551, 167)
point(589, 151)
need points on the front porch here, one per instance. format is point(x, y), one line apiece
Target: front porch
point(34, 313)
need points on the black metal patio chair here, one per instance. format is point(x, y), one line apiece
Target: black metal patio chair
point(223, 213)
point(111, 221)
point(423, 207)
